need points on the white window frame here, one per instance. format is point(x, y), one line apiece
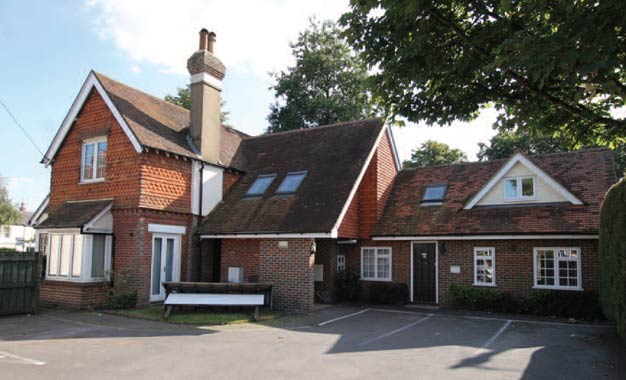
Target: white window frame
point(520, 196)
point(93, 141)
point(492, 256)
point(341, 266)
point(87, 246)
point(556, 268)
point(376, 254)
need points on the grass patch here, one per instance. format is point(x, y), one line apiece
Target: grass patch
point(155, 313)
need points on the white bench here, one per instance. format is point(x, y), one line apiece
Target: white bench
point(212, 299)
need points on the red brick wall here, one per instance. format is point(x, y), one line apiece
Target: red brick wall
point(514, 262)
point(242, 253)
point(74, 295)
point(369, 201)
point(229, 179)
point(290, 269)
point(122, 161)
point(165, 182)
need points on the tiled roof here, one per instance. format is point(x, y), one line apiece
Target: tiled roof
point(160, 124)
point(587, 174)
point(333, 157)
point(74, 214)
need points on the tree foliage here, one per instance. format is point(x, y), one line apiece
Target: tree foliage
point(434, 153)
point(555, 67)
point(183, 99)
point(326, 85)
point(612, 254)
point(9, 214)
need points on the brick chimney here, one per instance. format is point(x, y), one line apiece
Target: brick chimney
point(207, 72)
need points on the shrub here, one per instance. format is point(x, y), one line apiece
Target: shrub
point(348, 285)
point(578, 305)
point(388, 294)
point(126, 300)
point(7, 250)
point(612, 252)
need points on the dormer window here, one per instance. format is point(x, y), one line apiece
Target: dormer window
point(519, 188)
point(291, 183)
point(260, 185)
point(93, 160)
point(434, 194)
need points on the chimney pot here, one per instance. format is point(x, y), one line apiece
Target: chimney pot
point(204, 39)
point(211, 41)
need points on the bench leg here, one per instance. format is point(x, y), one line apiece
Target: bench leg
point(168, 310)
point(256, 313)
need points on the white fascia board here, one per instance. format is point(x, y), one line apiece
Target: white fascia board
point(321, 235)
point(394, 149)
point(37, 214)
point(90, 82)
point(166, 229)
point(483, 237)
point(518, 157)
point(357, 183)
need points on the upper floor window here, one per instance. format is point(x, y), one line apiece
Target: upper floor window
point(93, 160)
point(261, 184)
point(291, 183)
point(434, 194)
point(519, 188)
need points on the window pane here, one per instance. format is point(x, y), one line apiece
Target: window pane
point(88, 162)
point(291, 183)
point(102, 153)
point(54, 255)
point(77, 256)
point(97, 256)
point(156, 266)
point(169, 259)
point(545, 267)
point(528, 189)
point(368, 264)
point(66, 251)
point(510, 188)
point(435, 192)
point(384, 267)
point(261, 184)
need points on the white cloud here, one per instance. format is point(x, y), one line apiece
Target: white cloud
point(251, 35)
point(135, 69)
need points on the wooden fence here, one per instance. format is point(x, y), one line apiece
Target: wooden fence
point(19, 282)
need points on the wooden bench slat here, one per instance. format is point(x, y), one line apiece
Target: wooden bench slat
point(196, 299)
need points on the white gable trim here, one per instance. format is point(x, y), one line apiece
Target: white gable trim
point(34, 219)
point(533, 168)
point(335, 231)
point(90, 226)
point(90, 82)
point(394, 149)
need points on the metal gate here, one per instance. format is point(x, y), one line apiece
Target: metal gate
point(19, 282)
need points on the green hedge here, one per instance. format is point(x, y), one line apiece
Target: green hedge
point(613, 256)
point(563, 304)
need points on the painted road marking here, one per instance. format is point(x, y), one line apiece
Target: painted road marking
point(8, 355)
point(495, 336)
point(343, 317)
point(395, 331)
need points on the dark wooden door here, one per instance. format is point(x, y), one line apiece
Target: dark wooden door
point(424, 272)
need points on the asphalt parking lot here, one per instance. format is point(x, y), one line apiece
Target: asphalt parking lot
point(337, 343)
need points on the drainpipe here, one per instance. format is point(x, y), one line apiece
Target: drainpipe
point(200, 192)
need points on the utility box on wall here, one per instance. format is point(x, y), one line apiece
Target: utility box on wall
point(235, 274)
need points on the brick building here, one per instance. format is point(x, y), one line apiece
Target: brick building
point(143, 191)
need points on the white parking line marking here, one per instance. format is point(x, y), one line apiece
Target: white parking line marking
point(535, 322)
point(20, 358)
point(400, 311)
point(343, 317)
point(495, 336)
point(395, 331)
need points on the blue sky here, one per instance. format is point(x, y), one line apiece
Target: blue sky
point(47, 54)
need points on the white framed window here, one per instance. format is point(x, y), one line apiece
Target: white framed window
point(485, 266)
point(557, 268)
point(78, 257)
point(93, 160)
point(7, 231)
point(376, 263)
point(519, 188)
point(341, 263)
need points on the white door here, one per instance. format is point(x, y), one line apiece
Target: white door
point(165, 263)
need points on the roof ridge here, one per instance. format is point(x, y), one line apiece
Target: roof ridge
point(300, 130)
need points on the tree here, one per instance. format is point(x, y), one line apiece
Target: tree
point(557, 68)
point(434, 153)
point(9, 214)
point(326, 85)
point(183, 99)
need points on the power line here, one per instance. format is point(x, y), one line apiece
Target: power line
point(21, 128)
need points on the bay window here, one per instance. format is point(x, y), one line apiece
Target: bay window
point(557, 268)
point(93, 160)
point(78, 257)
point(376, 263)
